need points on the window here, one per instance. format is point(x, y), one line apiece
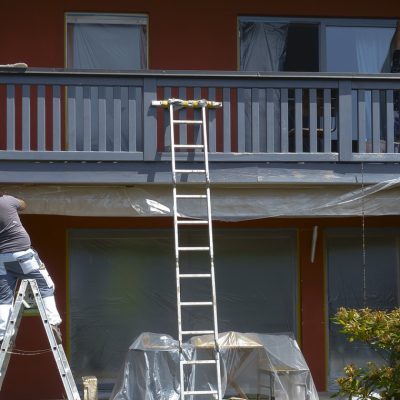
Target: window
point(345, 274)
point(300, 44)
point(108, 42)
point(328, 45)
point(101, 41)
point(122, 283)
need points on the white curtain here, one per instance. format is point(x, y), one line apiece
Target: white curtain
point(372, 47)
point(371, 50)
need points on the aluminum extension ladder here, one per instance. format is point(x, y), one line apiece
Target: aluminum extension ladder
point(200, 150)
point(28, 295)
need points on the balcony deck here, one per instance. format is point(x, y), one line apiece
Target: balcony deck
point(60, 126)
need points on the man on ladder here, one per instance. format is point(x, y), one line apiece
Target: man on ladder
point(19, 261)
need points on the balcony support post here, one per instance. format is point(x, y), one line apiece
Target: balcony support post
point(345, 121)
point(149, 119)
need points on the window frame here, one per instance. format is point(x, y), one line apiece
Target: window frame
point(104, 18)
point(323, 24)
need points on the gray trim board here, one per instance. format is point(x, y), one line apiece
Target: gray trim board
point(228, 173)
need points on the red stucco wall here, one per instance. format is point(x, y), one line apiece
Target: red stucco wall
point(182, 35)
point(49, 237)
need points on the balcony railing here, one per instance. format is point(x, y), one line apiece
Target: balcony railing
point(97, 116)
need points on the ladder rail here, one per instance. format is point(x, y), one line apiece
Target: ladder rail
point(12, 329)
point(175, 214)
point(211, 244)
point(58, 351)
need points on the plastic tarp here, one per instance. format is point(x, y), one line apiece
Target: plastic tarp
point(122, 282)
point(106, 41)
point(269, 365)
point(354, 285)
point(228, 203)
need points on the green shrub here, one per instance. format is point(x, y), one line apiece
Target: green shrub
point(381, 331)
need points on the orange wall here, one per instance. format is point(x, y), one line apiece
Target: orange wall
point(182, 35)
point(49, 237)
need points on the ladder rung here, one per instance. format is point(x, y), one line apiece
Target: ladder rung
point(196, 332)
point(193, 248)
point(189, 146)
point(188, 121)
point(201, 392)
point(191, 196)
point(198, 362)
point(190, 171)
point(194, 275)
point(196, 303)
point(192, 222)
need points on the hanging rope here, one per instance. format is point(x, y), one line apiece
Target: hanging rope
point(364, 267)
point(21, 352)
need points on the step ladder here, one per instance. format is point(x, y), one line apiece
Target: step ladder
point(27, 297)
point(180, 196)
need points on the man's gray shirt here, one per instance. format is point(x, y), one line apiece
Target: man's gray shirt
point(13, 236)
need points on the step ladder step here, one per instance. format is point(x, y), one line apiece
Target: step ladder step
point(199, 362)
point(192, 222)
point(191, 196)
point(197, 332)
point(190, 171)
point(194, 392)
point(189, 146)
point(194, 275)
point(187, 121)
point(196, 303)
point(206, 248)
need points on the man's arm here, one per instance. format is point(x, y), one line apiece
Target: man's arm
point(22, 205)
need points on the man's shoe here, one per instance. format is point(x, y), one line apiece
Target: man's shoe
point(57, 333)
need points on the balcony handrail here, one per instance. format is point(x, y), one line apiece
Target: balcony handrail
point(201, 74)
point(267, 116)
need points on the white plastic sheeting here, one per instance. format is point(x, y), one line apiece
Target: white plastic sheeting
point(228, 203)
point(352, 284)
point(98, 41)
point(122, 283)
point(266, 364)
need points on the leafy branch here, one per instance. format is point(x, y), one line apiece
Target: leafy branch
point(381, 331)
